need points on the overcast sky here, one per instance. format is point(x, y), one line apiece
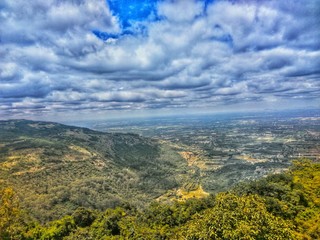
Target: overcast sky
point(82, 59)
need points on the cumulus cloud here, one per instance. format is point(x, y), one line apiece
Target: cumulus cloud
point(187, 10)
point(82, 56)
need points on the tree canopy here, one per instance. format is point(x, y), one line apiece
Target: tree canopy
point(281, 206)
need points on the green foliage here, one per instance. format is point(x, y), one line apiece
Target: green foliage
point(236, 217)
point(56, 168)
point(278, 207)
point(58, 229)
point(107, 224)
point(84, 217)
point(61, 173)
point(14, 223)
point(281, 195)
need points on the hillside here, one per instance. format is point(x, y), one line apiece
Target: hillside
point(56, 168)
point(281, 206)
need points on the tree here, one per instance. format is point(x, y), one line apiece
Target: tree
point(13, 221)
point(236, 217)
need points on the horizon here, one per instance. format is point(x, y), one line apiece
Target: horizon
point(120, 59)
point(181, 118)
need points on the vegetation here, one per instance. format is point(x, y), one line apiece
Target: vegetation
point(281, 206)
point(56, 168)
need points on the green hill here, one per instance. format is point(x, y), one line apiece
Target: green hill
point(56, 168)
point(282, 206)
point(63, 182)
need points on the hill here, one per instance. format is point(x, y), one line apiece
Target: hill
point(56, 168)
point(282, 206)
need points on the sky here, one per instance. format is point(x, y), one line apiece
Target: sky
point(97, 59)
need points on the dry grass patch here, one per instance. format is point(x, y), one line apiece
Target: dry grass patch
point(193, 159)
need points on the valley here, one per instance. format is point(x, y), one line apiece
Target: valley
point(226, 149)
point(56, 168)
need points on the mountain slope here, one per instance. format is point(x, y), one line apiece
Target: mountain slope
point(56, 168)
point(280, 206)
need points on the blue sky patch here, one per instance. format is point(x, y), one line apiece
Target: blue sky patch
point(129, 11)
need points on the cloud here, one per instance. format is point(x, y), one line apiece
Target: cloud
point(159, 55)
point(188, 10)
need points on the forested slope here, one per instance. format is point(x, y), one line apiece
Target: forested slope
point(55, 168)
point(282, 206)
